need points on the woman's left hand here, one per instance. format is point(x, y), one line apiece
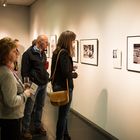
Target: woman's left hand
point(74, 75)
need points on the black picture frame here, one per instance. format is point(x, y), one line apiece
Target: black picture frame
point(89, 51)
point(133, 53)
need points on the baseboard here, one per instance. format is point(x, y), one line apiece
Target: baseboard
point(101, 130)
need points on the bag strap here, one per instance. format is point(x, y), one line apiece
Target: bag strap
point(52, 77)
point(67, 86)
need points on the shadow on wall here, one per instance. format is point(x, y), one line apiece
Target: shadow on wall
point(100, 113)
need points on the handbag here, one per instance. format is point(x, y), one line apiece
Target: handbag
point(57, 98)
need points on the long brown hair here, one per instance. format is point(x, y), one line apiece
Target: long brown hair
point(6, 45)
point(65, 41)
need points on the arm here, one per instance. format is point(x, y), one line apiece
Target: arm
point(65, 64)
point(9, 91)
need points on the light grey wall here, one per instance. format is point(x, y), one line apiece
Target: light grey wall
point(14, 22)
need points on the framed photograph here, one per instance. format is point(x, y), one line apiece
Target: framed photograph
point(53, 41)
point(75, 53)
point(133, 53)
point(117, 59)
point(89, 51)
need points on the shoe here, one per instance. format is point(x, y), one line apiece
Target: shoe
point(27, 135)
point(40, 131)
point(67, 137)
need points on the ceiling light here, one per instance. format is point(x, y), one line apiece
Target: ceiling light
point(4, 3)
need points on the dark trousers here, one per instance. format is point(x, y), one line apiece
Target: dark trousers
point(10, 129)
point(61, 127)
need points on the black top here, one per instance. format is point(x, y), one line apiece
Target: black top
point(33, 66)
point(64, 69)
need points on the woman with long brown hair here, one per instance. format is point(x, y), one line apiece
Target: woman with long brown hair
point(63, 71)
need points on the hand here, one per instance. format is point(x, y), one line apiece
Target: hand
point(47, 65)
point(26, 85)
point(75, 67)
point(74, 75)
point(27, 92)
point(26, 82)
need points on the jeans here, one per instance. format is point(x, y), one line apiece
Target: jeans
point(37, 104)
point(63, 111)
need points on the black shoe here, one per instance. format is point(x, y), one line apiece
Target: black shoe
point(67, 137)
point(40, 131)
point(27, 135)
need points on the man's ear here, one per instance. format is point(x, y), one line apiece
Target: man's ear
point(41, 44)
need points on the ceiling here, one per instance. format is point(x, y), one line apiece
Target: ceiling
point(20, 2)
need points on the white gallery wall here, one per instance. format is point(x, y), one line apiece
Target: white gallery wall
point(14, 23)
point(106, 96)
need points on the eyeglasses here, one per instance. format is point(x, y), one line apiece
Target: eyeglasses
point(17, 50)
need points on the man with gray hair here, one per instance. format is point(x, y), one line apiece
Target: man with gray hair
point(33, 67)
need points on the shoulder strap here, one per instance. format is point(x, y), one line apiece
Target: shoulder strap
point(19, 81)
point(52, 77)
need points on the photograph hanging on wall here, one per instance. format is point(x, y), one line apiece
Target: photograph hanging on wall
point(75, 52)
point(53, 41)
point(89, 51)
point(133, 53)
point(117, 59)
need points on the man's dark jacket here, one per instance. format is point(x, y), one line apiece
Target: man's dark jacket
point(33, 66)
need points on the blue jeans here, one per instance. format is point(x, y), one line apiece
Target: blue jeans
point(63, 111)
point(37, 104)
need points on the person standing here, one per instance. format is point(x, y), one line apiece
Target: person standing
point(12, 93)
point(33, 67)
point(64, 70)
